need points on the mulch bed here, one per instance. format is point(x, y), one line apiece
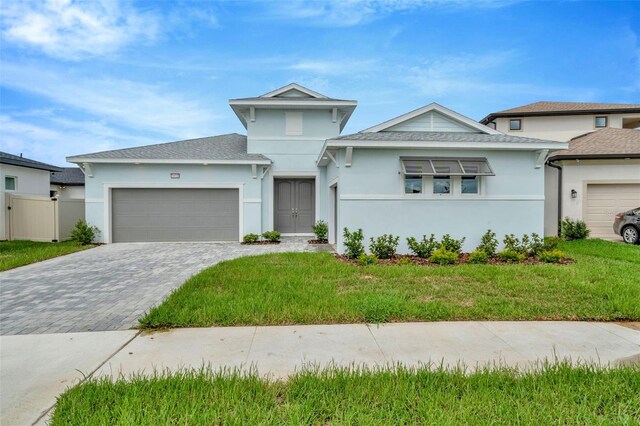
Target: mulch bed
point(462, 259)
point(318, 241)
point(261, 243)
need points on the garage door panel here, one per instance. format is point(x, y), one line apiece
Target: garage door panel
point(604, 201)
point(146, 214)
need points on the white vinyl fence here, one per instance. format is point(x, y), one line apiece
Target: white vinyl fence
point(41, 218)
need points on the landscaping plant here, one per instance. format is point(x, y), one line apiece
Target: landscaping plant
point(551, 256)
point(423, 248)
point(385, 246)
point(354, 248)
point(367, 259)
point(488, 243)
point(273, 236)
point(321, 229)
point(251, 238)
point(83, 233)
point(510, 255)
point(513, 244)
point(574, 229)
point(478, 256)
point(551, 243)
point(451, 244)
point(442, 256)
point(536, 245)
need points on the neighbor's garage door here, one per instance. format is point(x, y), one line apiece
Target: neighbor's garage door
point(604, 201)
point(174, 215)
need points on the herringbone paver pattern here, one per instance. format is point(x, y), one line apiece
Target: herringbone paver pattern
point(108, 287)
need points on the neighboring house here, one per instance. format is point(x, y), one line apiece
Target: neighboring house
point(429, 171)
point(67, 183)
point(593, 190)
point(21, 176)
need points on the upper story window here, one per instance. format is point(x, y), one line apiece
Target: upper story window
point(10, 183)
point(444, 176)
point(601, 121)
point(293, 123)
point(442, 184)
point(515, 124)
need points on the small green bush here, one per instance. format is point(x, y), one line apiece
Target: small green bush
point(384, 246)
point(488, 243)
point(442, 256)
point(251, 238)
point(536, 245)
point(551, 243)
point(478, 256)
point(510, 255)
point(404, 261)
point(423, 248)
point(321, 229)
point(574, 229)
point(354, 248)
point(451, 244)
point(551, 256)
point(273, 236)
point(83, 233)
point(512, 243)
point(367, 259)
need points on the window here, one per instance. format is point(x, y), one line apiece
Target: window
point(515, 124)
point(413, 184)
point(10, 183)
point(293, 123)
point(432, 166)
point(442, 184)
point(601, 122)
point(469, 185)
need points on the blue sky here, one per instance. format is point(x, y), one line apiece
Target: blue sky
point(80, 77)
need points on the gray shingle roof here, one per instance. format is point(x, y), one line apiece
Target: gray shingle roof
point(69, 176)
point(15, 160)
point(230, 147)
point(435, 137)
point(605, 143)
point(562, 108)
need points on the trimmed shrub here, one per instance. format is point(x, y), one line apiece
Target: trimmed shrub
point(551, 243)
point(385, 246)
point(423, 248)
point(574, 229)
point(367, 259)
point(353, 243)
point(536, 245)
point(512, 243)
point(251, 238)
point(551, 256)
point(404, 261)
point(83, 233)
point(488, 243)
point(442, 256)
point(510, 255)
point(478, 256)
point(451, 244)
point(321, 229)
point(273, 236)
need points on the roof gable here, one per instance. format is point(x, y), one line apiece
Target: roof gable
point(432, 118)
point(294, 90)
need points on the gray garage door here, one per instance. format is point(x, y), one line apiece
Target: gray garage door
point(604, 201)
point(174, 215)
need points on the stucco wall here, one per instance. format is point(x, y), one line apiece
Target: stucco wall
point(559, 128)
point(75, 192)
point(577, 174)
point(372, 198)
point(158, 175)
point(551, 201)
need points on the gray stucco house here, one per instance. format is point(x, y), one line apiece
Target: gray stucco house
point(431, 170)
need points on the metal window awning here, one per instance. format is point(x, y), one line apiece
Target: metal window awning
point(432, 166)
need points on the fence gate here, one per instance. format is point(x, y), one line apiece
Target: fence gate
point(32, 218)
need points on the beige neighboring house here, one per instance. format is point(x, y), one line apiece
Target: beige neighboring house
point(68, 183)
point(599, 175)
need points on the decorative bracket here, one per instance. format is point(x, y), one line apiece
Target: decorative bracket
point(541, 157)
point(86, 168)
point(332, 158)
point(252, 113)
point(254, 171)
point(334, 115)
point(265, 170)
point(348, 156)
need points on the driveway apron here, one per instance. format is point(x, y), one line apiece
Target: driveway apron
point(108, 287)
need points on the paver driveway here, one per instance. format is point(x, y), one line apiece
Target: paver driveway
point(108, 287)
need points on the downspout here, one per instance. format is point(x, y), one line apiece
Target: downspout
point(555, 166)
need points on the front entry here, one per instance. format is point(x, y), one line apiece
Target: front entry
point(295, 205)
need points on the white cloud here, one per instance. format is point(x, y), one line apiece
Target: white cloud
point(139, 106)
point(338, 67)
point(71, 29)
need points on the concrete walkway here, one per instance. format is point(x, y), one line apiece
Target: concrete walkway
point(34, 369)
point(109, 287)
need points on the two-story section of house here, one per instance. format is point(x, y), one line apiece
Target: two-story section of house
point(599, 175)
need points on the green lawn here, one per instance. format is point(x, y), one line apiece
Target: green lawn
point(315, 288)
point(19, 253)
point(556, 395)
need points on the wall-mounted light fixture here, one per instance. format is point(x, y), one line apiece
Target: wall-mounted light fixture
point(175, 175)
point(574, 193)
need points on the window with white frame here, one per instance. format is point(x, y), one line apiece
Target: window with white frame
point(444, 176)
point(10, 183)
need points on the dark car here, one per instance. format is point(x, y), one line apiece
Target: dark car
point(627, 225)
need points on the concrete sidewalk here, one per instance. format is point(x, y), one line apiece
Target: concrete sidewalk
point(34, 369)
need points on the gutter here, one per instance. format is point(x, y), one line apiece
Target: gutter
point(551, 163)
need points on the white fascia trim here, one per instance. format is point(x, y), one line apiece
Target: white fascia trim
point(291, 102)
point(525, 146)
point(404, 197)
point(433, 107)
point(293, 86)
point(78, 160)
